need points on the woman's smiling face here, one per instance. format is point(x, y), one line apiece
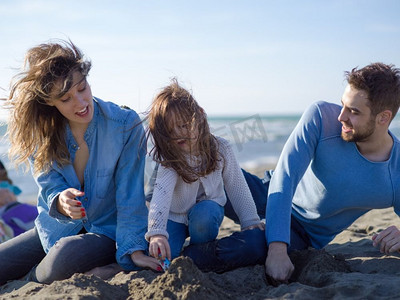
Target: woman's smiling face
point(76, 105)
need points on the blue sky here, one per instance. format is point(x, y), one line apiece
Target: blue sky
point(237, 57)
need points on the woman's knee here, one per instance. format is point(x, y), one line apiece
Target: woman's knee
point(75, 254)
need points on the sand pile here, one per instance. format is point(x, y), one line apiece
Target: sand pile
point(349, 268)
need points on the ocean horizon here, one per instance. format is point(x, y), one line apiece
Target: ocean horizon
point(257, 140)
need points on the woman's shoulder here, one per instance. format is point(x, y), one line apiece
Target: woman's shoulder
point(115, 112)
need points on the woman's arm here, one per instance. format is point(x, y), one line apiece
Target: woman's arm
point(131, 207)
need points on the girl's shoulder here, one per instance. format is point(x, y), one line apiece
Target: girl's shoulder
point(224, 148)
point(223, 145)
point(166, 172)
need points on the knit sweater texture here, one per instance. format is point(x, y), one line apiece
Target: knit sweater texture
point(173, 197)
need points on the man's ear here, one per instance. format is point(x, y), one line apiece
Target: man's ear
point(384, 117)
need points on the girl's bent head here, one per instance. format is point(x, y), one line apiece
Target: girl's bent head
point(36, 126)
point(181, 133)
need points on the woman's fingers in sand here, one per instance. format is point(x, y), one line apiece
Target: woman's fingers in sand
point(143, 261)
point(105, 272)
point(159, 247)
point(69, 206)
point(387, 240)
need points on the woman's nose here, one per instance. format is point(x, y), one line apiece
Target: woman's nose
point(79, 99)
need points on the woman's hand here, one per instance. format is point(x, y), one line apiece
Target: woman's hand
point(69, 206)
point(159, 246)
point(260, 226)
point(144, 261)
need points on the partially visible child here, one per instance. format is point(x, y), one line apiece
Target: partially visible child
point(15, 217)
point(195, 167)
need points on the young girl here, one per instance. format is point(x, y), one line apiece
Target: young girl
point(87, 157)
point(195, 167)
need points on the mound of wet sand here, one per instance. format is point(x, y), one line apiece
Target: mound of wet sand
point(349, 268)
point(183, 280)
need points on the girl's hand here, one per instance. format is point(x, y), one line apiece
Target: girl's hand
point(159, 245)
point(260, 226)
point(142, 260)
point(69, 206)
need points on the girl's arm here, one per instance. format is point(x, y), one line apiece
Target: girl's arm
point(161, 202)
point(237, 189)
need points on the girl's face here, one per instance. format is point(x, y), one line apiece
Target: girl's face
point(77, 104)
point(183, 134)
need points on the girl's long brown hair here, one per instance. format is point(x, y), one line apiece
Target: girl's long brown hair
point(177, 101)
point(35, 128)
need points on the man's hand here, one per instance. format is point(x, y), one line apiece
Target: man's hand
point(278, 264)
point(388, 240)
point(159, 245)
point(69, 206)
point(144, 261)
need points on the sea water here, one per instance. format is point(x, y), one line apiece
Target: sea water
point(256, 140)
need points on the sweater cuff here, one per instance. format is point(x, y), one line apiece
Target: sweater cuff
point(248, 223)
point(154, 232)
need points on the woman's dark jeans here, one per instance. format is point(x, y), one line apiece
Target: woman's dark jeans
point(23, 256)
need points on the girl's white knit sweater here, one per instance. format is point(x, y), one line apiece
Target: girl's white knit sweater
point(172, 197)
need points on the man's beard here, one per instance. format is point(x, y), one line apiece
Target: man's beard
point(360, 135)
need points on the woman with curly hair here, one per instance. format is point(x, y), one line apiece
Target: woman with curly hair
point(87, 157)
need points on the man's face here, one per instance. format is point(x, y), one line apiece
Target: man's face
point(357, 122)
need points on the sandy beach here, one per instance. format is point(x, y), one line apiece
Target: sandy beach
point(348, 268)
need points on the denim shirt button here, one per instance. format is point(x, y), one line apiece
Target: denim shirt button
point(85, 199)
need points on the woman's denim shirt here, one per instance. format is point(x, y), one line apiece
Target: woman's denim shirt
point(114, 197)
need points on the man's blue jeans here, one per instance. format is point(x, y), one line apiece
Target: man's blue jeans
point(204, 220)
point(247, 247)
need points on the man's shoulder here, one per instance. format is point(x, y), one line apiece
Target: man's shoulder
point(325, 108)
point(321, 117)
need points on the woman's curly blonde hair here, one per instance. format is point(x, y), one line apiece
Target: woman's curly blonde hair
point(37, 130)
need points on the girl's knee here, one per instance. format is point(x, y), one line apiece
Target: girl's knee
point(203, 230)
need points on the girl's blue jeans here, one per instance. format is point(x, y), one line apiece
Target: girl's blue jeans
point(204, 220)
